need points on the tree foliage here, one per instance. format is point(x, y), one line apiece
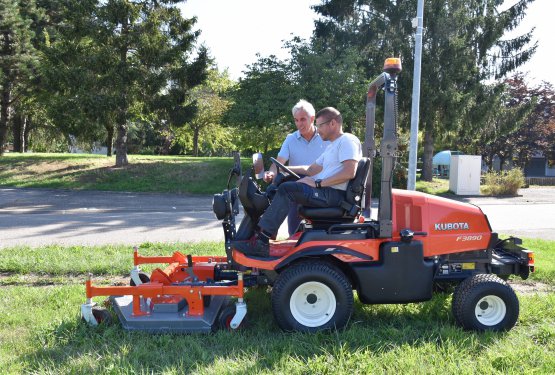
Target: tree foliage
point(263, 99)
point(534, 133)
point(18, 56)
point(126, 62)
point(462, 47)
point(204, 134)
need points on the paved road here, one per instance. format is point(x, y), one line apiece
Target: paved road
point(531, 214)
point(37, 217)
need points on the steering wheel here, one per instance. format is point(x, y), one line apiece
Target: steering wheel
point(284, 168)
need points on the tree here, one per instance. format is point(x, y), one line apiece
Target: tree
point(262, 103)
point(18, 57)
point(211, 104)
point(264, 98)
point(462, 48)
point(501, 109)
point(132, 61)
point(326, 79)
point(537, 131)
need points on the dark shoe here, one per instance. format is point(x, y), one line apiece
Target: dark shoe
point(255, 247)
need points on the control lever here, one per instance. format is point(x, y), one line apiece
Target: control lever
point(190, 268)
point(407, 235)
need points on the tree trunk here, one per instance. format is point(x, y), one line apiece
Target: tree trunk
point(121, 145)
point(18, 127)
point(427, 168)
point(195, 140)
point(5, 112)
point(121, 141)
point(109, 139)
point(26, 131)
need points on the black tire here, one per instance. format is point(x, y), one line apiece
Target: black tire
point(143, 277)
point(102, 316)
point(224, 319)
point(485, 303)
point(300, 288)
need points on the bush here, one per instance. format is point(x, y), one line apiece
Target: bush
point(503, 183)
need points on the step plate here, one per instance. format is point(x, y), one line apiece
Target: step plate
point(174, 322)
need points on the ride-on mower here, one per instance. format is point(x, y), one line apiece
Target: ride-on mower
point(418, 244)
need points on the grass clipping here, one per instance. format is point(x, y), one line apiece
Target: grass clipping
point(503, 183)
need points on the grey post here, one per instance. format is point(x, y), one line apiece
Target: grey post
point(413, 151)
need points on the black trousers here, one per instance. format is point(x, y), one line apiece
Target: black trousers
point(298, 193)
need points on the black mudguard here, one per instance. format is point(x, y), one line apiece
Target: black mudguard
point(401, 276)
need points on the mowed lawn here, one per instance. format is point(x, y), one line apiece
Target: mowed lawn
point(164, 174)
point(40, 329)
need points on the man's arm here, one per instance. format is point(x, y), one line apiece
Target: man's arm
point(345, 174)
point(308, 170)
point(271, 173)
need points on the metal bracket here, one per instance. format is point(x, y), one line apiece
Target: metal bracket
point(135, 275)
point(240, 313)
point(87, 314)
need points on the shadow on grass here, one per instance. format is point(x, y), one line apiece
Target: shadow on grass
point(73, 347)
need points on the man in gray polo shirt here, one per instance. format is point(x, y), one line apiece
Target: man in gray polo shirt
point(302, 147)
point(324, 185)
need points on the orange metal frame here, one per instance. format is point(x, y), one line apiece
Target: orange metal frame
point(160, 286)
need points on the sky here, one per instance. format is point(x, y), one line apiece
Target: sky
point(236, 30)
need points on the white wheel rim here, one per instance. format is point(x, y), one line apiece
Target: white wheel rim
point(490, 310)
point(312, 304)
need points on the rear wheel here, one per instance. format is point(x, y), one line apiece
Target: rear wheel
point(485, 303)
point(312, 296)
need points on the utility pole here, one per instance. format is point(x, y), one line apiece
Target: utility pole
point(417, 23)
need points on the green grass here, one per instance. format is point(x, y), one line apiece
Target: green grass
point(438, 186)
point(165, 174)
point(40, 331)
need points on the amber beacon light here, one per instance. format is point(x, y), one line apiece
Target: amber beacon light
point(392, 65)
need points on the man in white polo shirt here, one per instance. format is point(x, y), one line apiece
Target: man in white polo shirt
point(302, 147)
point(324, 185)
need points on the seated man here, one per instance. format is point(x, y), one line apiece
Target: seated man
point(302, 147)
point(324, 185)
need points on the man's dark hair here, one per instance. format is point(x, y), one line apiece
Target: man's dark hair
point(330, 113)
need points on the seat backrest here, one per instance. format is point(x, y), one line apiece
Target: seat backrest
point(323, 217)
point(355, 188)
point(253, 200)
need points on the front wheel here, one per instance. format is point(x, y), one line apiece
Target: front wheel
point(312, 296)
point(485, 302)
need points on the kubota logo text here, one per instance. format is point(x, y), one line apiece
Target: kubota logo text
point(451, 226)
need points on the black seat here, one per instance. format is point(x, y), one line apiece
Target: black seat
point(350, 208)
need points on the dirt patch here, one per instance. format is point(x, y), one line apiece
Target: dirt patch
point(531, 287)
point(36, 280)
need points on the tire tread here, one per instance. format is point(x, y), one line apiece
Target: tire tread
point(302, 269)
point(466, 291)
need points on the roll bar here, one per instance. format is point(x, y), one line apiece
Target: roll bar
point(389, 144)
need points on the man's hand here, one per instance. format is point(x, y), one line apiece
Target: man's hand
point(269, 176)
point(308, 181)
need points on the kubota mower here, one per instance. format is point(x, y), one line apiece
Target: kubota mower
point(417, 244)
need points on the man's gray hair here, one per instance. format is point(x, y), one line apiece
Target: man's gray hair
point(305, 106)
